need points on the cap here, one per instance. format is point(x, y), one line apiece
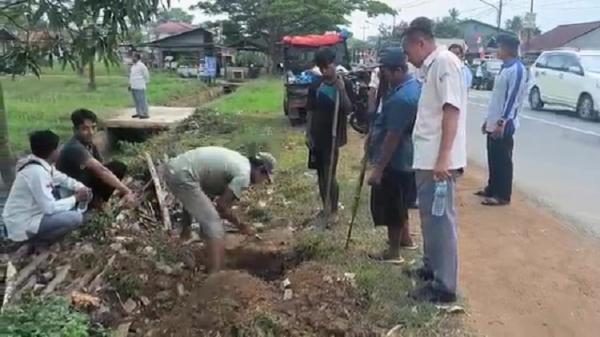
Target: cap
point(268, 162)
point(392, 57)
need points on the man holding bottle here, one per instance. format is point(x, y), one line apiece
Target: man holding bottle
point(439, 155)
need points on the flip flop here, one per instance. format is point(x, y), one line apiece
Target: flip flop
point(493, 202)
point(414, 246)
point(397, 261)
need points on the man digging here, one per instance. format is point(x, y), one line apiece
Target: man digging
point(197, 176)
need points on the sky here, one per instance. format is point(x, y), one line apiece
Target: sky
point(550, 13)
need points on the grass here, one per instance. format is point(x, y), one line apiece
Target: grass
point(47, 102)
point(253, 118)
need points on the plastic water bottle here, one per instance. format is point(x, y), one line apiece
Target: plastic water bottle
point(439, 198)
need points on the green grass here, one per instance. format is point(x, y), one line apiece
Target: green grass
point(253, 118)
point(47, 102)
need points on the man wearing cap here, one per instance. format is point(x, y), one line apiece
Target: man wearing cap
point(391, 153)
point(510, 90)
point(440, 154)
point(205, 173)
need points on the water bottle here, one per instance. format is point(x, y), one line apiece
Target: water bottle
point(439, 198)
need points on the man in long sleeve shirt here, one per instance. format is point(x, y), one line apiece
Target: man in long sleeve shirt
point(138, 78)
point(32, 211)
point(502, 121)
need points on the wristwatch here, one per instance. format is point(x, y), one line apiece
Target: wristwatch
point(501, 122)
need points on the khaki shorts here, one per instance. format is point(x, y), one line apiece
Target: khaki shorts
point(195, 202)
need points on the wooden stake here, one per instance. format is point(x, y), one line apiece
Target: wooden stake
point(160, 194)
point(61, 275)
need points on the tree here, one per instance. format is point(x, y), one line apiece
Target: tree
point(270, 21)
point(516, 25)
point(71, 28)
point(174, 14)
point(448, 26)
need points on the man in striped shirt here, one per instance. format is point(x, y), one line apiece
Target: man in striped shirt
point(502, 120)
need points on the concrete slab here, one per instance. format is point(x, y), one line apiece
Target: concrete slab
point(161, 117)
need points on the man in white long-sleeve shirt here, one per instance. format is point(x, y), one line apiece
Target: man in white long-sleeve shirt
point(138, 78)
point(33, 211)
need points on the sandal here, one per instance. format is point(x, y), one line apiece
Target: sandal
point(494, 202)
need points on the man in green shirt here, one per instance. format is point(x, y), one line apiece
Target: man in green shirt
point(200, 175)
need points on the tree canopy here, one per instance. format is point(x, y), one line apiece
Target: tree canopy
point(174, 14)
point(448, 26)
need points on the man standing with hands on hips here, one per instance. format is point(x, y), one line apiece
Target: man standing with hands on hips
point(439, 156)
point(138, 78)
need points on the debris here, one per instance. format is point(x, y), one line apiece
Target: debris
point(286, 283)
point(117, 247)
point(47, 277)
point(328, 279)
point(30, 268)
point(163, 282)
point(395, 331)
point(180, 289)
point(288, 294)
point(122, 330)
point(95, 285)
point(350, 278)
point(194, 237)
point(160, 195)
point(145, 301)
point(149, 251)
point(129, 306)
point(30, 284)
point(163, 295)
point(61, 274)
point(143, 277)
point(189, 260)
point(87, 248)
point(164, 268)
point(10, 277)
point(454, 309)
point(259, 226)
point(123, 239)
point(83, 301)
point(262, 204)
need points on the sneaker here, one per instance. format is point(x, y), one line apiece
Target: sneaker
point(421, 273)
point(144, 117)
point(428, 293)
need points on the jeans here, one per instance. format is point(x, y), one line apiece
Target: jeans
point(141, 104)
point(55, 226)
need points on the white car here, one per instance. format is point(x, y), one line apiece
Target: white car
point(567, 78)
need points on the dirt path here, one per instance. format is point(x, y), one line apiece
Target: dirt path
point(524, 272)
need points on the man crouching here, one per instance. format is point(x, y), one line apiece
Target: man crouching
point(197, 176)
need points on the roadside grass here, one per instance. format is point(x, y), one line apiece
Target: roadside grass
point(47, 102)
point(251, 119)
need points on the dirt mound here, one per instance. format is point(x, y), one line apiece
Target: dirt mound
point(223, 303)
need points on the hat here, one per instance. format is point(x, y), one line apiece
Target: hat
point(267, 161)
point(392, 58)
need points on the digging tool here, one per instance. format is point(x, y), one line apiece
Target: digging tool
point(327, 210)
point(361, 180)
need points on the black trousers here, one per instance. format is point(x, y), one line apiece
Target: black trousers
point(320, 159)
point(101, 191)
point(500, 164)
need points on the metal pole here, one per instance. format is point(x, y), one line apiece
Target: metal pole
point(530, 28)
point(499, 16)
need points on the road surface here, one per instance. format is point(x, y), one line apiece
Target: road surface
point(556, 157)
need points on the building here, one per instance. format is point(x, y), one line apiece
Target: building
point(185, 48)
point(579, 35)
point(477, 36)
point(170, 28)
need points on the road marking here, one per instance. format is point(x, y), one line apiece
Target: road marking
point(547, 122)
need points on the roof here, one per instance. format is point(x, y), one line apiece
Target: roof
point(176, 36)
point(173, 27)
point(561, 35)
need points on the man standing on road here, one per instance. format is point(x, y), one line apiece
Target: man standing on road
point(459, 51)
point(440, 153)
point(138, 79)
point(321, 107)
point(391, 152)
point(197, 176)
point(502, 121)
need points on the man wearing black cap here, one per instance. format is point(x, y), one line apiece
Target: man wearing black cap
point(502, 120)
point(391, 152)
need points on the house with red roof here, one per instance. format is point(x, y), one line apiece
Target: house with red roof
point(578, 36)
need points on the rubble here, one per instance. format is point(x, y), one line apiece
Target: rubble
point(129, 306)
point(83, 301)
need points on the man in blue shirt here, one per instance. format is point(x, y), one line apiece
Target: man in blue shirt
point(502, 120)
point(391, 152)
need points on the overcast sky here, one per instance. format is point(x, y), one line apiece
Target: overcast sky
point(550, 13)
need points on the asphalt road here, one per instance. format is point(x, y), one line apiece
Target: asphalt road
point(556, 158)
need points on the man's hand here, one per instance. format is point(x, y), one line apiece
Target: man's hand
point(498, 132)
point(375, 178)
point(484, 128)
point(129, 200)
point(339, 83)
point(246, 230)
point(441, 171)
point(83, 194)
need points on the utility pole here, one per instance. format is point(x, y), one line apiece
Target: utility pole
point(498, 9)
point(530, 28)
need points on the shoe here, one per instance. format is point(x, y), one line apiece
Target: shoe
point(428, 293)
point(420, 273)
point(144, 117)
point(135, 116)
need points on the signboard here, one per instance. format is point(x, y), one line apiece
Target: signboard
point(529, 21)
point(210, 66)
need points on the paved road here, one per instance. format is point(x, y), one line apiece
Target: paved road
point(557, 160)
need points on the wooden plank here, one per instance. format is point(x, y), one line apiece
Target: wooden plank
point(61, 275)
point(160, 194)
point(30, 268)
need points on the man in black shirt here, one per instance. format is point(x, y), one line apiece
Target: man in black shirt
point(81, 160)
point(321, 111)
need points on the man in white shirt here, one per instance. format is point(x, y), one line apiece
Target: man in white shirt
point(439, 156)
point(138, 78)
point(32, 210)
